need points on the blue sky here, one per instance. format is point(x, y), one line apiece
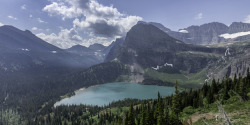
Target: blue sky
point(69, 22)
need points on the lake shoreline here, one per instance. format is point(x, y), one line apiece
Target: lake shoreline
point(102, 94)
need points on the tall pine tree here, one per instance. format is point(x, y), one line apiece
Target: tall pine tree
point(160, 111)
point(131, 116)
point(175, 106)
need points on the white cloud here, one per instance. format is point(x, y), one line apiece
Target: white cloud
point(247, 19)
point(63, 10)
point(70, 37)
point(31, 16)
point(55, 40)
point(64, 39)
point(234, 35)
point(23, 7)
point(34, 28)
point(40, 20)
point(11, 17)
point(1, 24)
point(198, 16)
point(89, 14)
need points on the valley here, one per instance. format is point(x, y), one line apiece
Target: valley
point(37, 78)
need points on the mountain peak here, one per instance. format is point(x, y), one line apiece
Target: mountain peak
point(237, 23)
point(239, 27)
point(78, 47)
point(146, 30)
point(158, 25)
point(147, 36)
point(8, 28)
point(97, 46)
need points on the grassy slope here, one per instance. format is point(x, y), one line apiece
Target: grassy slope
point(185, 80)
point(238, 112)
point(116, 111)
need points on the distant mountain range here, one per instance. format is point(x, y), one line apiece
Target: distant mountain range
point(96, 51)
point(23, 51)
point(210, 33)
point(146, 46)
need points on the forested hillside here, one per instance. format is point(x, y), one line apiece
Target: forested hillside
point(172, 110)
point(30, 100)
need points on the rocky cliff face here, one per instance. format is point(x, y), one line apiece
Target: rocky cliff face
point(114, 50)
point(204, 34)
point(149, 46)
point(209, 33)
point(238, 27)
point(146, 46)
point(236, 60)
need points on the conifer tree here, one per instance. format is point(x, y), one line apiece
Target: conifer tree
point(175, 106)
point(131, 117)
point(200, 100)
point(214, 87)
point(167, 116)
point(248, 73)
point(143, 115)
point(226, 88)
point(209, 96)
point(160, 111)
point(149, 115)
point(248, 78)
point(233, 87)
point(239, 82)
point(205, 89)
point(243, 89)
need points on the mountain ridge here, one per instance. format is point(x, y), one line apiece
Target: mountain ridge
point(208, 33)
point(25, 50)
point(146, 48)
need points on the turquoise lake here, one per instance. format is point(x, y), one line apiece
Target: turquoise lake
point(106, 93)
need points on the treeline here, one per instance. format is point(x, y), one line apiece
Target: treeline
point(163, 111)
point(31, 98)
point(83, 114)
point(166, 111)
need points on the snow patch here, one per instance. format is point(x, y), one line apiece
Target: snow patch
point(234, 35)
point(227, 52)
point(158, 67)
point(183, 31)
point(54, 52)
point(223, 59)
point(166, 64)
point(25, 50)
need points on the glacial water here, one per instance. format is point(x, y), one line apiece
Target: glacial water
point(106, 93)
